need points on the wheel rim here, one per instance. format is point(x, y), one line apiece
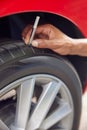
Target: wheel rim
point(52, 109)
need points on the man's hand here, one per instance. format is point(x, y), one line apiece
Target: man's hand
point(48, 36)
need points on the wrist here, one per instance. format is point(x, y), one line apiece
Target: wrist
point(79, 47)
point(73, 46)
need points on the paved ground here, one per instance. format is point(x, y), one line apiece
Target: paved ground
point(83, 124)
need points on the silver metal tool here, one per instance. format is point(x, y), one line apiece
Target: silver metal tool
point(34, 30)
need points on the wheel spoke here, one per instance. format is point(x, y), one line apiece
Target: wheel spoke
point(62, 129)
point(46, 99)
point(24, 96)
point(56, 116)
point(3, 126)
point(57, 129)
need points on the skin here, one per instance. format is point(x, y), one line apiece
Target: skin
point(48, 36)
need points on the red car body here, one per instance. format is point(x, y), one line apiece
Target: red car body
point(74, 11)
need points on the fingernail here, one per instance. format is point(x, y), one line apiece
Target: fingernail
point(35, 43)
point(23, 38)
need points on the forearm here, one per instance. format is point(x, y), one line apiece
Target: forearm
point(79, 47)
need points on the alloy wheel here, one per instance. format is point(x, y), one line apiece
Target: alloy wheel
point(39, 102)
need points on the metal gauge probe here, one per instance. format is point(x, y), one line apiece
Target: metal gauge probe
point(34, 30)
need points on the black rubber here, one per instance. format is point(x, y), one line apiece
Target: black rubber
point(18, 60)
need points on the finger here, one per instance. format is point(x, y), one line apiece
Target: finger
point(26, 30)
point(42, 32)
point(38, 35)
point(43, 29)
point(27, 37)
point(41, 43)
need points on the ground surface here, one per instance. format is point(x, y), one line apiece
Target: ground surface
point(83, 124)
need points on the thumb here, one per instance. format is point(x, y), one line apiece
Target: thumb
point(41, 43)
